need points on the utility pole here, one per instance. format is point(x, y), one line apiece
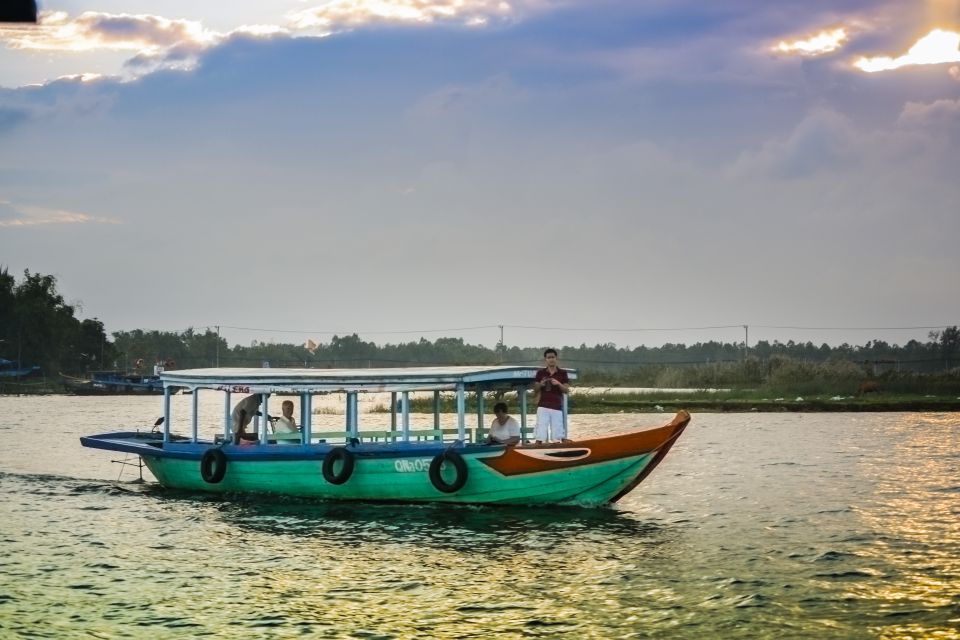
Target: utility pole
point(218, 346)
point(746, 341)
point(500, 346)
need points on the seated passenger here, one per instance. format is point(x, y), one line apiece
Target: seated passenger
point(286, 423)
point(504, 429)
point(242, 415)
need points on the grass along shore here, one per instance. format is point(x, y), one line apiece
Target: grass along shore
point(615, 400)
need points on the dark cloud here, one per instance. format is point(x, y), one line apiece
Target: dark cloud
point(11, 117)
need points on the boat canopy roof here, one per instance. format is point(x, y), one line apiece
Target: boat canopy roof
point(337, 380)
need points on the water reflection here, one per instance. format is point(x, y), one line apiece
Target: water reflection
point(913, 512)
point(468, 529)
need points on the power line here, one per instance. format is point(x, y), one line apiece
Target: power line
point(765, 326)
point(584, 329)
point(327, 332)
point(725, 326)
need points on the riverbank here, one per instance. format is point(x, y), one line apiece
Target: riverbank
point(740, 405)
point(725, 402)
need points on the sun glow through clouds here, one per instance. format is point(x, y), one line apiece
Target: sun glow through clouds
point(823, 42)
point(936, 47)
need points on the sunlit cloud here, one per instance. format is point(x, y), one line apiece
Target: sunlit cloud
point(31, 216)
point(346, 14)
point(82, 77)
point(105, 31)
point(937, 47)
point(815, 44)
point(156, 42)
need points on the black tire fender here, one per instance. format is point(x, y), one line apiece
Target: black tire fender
point(213, 466)
point(459, 465)
point(338, 454)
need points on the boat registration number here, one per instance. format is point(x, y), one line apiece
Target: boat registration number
point(411, 466)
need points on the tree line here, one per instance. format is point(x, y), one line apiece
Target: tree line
point(38, 327)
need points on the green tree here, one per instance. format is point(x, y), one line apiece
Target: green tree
point(40, 328)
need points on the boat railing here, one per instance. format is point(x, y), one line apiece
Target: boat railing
point(383, 436)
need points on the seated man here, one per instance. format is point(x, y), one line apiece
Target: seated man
point(286, 424)
point(504, 429)
point(242, 415)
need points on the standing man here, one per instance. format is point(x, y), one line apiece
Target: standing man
point(242, 415)
point(552, 382)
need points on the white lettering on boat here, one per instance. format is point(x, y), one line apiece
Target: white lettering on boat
point(411, 466)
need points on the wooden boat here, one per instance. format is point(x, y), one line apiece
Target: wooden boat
point(113, 383)
point(451, 463)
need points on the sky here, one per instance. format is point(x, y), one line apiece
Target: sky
point(575, 171)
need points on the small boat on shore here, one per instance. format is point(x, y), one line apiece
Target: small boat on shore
point(378, 462)
point(113, 383)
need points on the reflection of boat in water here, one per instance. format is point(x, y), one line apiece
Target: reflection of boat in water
point(396, 464)
point(113, 383)
point(480, 529)
point(9, 369)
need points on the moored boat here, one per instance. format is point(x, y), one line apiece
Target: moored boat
point(113, 383)
point(449, 463)
point(10, 369)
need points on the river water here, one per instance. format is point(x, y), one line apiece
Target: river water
point(755, 526)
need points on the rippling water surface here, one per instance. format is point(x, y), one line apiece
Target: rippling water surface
point(755, 525)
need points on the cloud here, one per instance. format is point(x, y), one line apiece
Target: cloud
point(825, 41)
point(61, 99)
point(10, 117)
point(32, 216)
point(937, 47)
point(93, 30)
point(941, 114)
point(347, 14)
point(157, 42)
point(820, 142)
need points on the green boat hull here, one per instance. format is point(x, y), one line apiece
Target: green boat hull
point(407, 479)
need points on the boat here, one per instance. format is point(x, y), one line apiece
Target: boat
point(10, 369)
point(379, 462)
point(113, 383)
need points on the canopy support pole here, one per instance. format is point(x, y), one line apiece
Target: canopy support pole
point(195, 401)
point(480, 411)
point(166, 414)
point(306, 416)
point(522, 394)
point(262, 428)
point(461, 410)
point(227, 427)
point(393, 410)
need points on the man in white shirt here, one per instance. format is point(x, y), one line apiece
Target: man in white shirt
point(286, 423)
point(504, 429)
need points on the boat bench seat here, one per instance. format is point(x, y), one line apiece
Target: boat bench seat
point(415, 434)
point(286, 437)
